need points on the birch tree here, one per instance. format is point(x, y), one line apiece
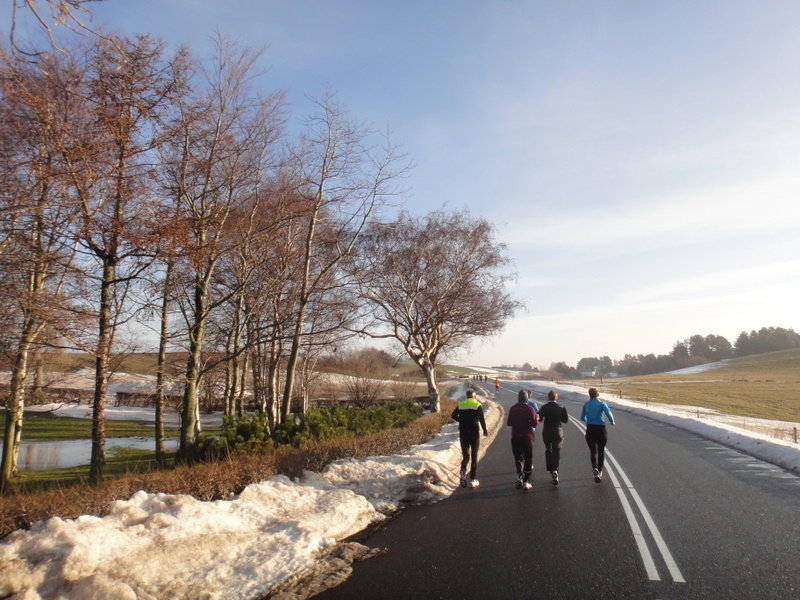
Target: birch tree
point(345, 179)
point(218, 161)
point(434, 283)
point(35, 255)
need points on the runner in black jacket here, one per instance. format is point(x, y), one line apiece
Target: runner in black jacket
point(553, 415)
point(469, 414)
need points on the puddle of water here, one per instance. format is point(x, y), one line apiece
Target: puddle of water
point(38, 456)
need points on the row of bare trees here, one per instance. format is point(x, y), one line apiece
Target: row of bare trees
point(140, 187)
point(135, 180)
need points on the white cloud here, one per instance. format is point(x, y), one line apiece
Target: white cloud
point(759, 280)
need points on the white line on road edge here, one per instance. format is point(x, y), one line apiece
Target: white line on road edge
point(644, 551)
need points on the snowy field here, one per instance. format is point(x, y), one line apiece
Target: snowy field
point(157, 546)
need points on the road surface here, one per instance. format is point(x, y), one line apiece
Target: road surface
point(676, 517)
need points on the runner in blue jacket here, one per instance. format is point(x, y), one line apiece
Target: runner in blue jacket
point(593, 414)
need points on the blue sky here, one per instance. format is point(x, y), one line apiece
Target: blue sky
point(640, 159)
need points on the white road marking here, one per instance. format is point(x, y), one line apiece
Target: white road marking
point(644, 551)
point(672, 566)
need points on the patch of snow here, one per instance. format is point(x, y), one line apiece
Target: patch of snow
point(700, 368)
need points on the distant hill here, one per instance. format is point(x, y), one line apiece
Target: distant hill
point(764, 386)
point(783, 365)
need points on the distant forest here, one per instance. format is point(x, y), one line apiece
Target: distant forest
point(696, 350)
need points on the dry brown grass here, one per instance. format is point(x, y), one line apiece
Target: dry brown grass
point(212, 481)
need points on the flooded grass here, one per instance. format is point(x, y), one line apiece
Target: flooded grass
point(44, 426)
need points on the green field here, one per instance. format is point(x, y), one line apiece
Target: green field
point(764, 386)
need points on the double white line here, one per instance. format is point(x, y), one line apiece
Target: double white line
point(641, 543)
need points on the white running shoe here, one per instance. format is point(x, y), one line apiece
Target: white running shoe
point(518, 482)
point(598, 476)
point(555, 477)
point(527, 485)
point(473, 483)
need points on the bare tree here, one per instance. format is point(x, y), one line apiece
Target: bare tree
point(344, 181)
point(35, 254)
point(71, 14)
point(110, 163)
point(268, 299)
point(364, 379)
point(214, 174)
point(434, 283)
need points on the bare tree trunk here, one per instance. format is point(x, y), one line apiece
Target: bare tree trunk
point(161, 453)
point(229, 389)
point(291, 368)
point(190, 416)
point(16, 406)
point(294, 352)
point(240, 394)
point(103, 352)
point(234, 383)
point(433, 391)
point(275, 353)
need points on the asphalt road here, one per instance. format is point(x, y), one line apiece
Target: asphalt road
point(676, 517)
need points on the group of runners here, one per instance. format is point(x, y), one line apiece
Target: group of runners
point(524, 418)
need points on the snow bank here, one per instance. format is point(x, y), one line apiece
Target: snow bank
point(163, 546)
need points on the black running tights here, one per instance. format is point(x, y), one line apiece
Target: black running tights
point(596, 437)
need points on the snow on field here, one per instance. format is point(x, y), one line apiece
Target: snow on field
point(156, 546)
point(700, 368)
point(83, 379)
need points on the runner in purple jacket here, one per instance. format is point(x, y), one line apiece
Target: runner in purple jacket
point(523, 420)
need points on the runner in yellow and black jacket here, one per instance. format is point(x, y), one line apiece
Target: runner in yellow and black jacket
point(469, 414)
